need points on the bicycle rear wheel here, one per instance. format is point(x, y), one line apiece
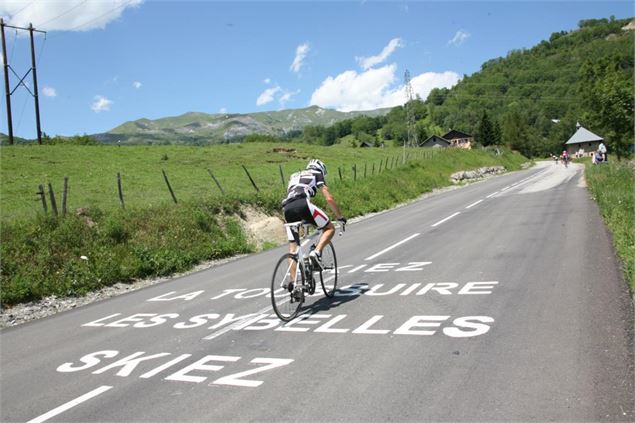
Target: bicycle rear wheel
point(285, 305)
point(329, 272)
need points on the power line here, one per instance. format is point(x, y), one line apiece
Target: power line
point(63, 13)
point(123, 5)
point(18, 12)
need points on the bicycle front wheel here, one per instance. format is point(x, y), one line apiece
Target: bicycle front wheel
point(287, 274)
point(329, 272)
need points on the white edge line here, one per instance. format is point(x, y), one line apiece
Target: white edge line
point(473, 204)
point(447, 218)
point(70, 404)
point(392, 246)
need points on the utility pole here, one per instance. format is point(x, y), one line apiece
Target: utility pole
point(35, 91)
point(409, 112)
point(6, 83)
point(7, 87)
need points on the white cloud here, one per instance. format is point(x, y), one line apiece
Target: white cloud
point(267, 96)
point(276, 93)
point(137, 84)
point(375, 88)
point(49, 92)
point(267, 81)
point(223, 110)
point(64, 15)
point(286, 97)
point(459, 38)
point(100, 104)
point(368, 62)
point(300, 54)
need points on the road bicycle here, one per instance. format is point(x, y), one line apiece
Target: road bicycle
point(295, 274)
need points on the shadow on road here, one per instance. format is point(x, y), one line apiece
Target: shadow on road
point(342, 296)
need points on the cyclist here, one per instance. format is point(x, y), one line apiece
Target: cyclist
point(297, 206)
point(565, 158)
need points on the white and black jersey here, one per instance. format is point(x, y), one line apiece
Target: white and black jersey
point(304, 184)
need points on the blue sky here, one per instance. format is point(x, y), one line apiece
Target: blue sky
point(105, 62)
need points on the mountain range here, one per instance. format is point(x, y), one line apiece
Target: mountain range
point(204, 128)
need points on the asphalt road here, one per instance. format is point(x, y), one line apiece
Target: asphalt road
point(499, 301)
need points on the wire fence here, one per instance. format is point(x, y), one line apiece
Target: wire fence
point(257, 180)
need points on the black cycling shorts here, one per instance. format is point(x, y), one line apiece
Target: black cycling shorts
point(301, 209)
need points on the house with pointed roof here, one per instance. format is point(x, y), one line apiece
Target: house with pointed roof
point(459, 139)
point(435, 141)
point(583, 142)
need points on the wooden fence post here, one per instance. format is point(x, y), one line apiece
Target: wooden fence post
point(339, 170)
point(52, 196)
point(64, 195)
point(250, 178)
point(216, 180)
point(365, 170)
point(281, 175)
point(42, 195)
point(169, 186)
point(373, 172)
point(380, 163)
point(123, 206)
point(354, 172)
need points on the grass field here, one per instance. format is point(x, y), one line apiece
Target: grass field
point(612, 185)
point(92, 172)
point(43, 255)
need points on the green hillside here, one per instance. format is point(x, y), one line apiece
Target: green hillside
point(527, 90)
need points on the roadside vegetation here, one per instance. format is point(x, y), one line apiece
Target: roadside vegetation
point(99, 243)
point(612, 186)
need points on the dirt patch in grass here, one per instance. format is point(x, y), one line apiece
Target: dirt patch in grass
point(261, 228)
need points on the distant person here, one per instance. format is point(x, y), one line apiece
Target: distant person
point(565, 158)
point(297, 206)
point(599, 157)
point(602, 150)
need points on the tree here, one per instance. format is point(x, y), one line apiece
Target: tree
point(516, 134)
point(496, 133)
point(607, 94)
point(485, 133)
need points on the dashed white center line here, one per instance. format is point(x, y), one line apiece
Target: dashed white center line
point(391, 247)
point(446, 219)
point(473, 204)
point(70, 404)
point(492, 194)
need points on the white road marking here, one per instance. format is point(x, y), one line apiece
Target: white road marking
point(473, 204)
point(70, 404)
point(391, 247)
point(243, 322)
point(492, 194)
point(446, 219)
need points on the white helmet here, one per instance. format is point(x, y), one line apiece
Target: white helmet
point(317, 165)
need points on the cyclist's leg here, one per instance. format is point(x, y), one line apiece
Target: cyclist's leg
point(292, 213)
point(321, 220)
